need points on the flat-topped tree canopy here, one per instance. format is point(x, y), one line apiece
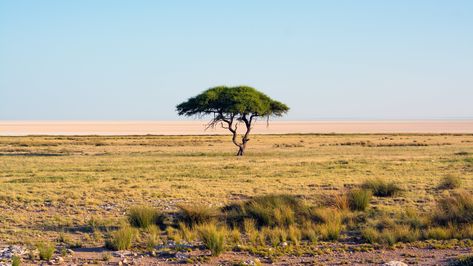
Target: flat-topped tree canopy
point(230, 105)
point(232, 100)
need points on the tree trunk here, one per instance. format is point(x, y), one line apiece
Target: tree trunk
point(241, 151)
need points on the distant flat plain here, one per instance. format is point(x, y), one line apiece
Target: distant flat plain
point(197, 127)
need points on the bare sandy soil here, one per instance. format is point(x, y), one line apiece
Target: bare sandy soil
point(21, 128)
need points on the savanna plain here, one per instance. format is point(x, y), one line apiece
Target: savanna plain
point(324, 199)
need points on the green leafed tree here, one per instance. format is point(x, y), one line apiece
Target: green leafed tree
point(230, 107)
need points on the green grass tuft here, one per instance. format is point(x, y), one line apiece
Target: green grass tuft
point(212, 237)
point(121, 239)
point(381, 188)
point(359, 199)
point(143, 217)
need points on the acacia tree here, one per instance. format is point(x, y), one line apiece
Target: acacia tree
point(232, 106)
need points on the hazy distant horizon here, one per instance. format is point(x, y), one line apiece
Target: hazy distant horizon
point(198, 127)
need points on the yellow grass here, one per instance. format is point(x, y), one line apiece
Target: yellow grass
point(58, 185)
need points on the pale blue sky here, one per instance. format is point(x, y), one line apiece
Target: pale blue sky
point(122, 60)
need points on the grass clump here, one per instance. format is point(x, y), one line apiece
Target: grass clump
point(268, 210)
point(46, 251)
point(274, 210)
point(196, 214)
point(121, 239)
point(15, 261)
point(450, 182)
point(359, 199)
point(212, 237)
point(381, 188)
point(152, 237)
point(390, 235)
point(438, 233)
point(143, 216)
point(454, 209)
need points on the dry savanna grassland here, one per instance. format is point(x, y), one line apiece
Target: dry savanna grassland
point(292, 199)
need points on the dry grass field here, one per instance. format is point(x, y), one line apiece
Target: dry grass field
point(74, 192)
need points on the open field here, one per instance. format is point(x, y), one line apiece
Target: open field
point(74, 191)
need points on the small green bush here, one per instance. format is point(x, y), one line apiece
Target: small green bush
point(454, 209)
point(196, 214)
point(143, 216)
point(359, 199)
point(381, 188)
point(212, 237)
point(450, 182)
point(121, 239)
point(46, 251)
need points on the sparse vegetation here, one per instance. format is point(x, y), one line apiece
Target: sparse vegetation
point(450, 182)
point(280, 201)
point(381, 188)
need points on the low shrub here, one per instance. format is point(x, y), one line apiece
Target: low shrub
point(381, 188)
point(359, 199)
point(143, 216)
point(196, 214)
point(46, 251)
point(450, 182)
point(121, 239)
point(454, 209)
point(212, 237)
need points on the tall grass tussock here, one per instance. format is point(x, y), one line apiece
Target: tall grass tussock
point(381, 188)
point(359, 199)
point(121, 239)
point(143, 217)
point(193, 215)
point(454, 209)
point(213, 237)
